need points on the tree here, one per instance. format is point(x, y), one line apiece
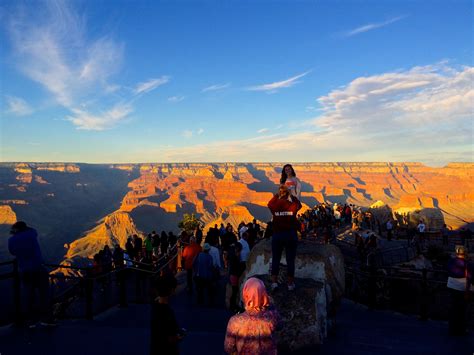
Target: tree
point(189, 222)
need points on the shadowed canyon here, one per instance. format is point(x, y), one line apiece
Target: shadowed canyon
point(78, 208)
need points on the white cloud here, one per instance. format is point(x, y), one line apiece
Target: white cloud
point(263, 130)
point(411, 115)
point(18, 106)
point(200, 131)
point(372, 26)
point(53, 48)
point(216, 87)
point(99, 122)
point(151, 84)
point(273, 87)
point(175, 99)
point(187, 134)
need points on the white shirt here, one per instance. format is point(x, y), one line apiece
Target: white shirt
point(242, 231)
point(216, 257)
point(421, 227)
point(244, 254)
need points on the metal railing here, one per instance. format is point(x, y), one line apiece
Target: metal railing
point(85, 294)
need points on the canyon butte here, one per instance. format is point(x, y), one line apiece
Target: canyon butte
point(78, 208)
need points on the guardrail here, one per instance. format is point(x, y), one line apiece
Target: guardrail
point(93, 293)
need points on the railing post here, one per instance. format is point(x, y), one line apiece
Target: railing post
point(89, 298)
point(17, 292)
point(372, 282)
point(424, 295)
point(122, 278)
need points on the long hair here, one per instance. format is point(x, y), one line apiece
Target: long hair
point(283, 173)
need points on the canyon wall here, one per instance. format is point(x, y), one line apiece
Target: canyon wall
point(87, 206)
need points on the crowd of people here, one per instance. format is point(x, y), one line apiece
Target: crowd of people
point(224, 251)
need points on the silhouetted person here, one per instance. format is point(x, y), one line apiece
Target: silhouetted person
point(164, 243)
point(203, 267)
point(118, 257)
point(23, 244)
point(165, 332)
point(460, 284)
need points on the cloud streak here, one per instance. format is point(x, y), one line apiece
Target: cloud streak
point(175, 99)
point(216, 87)
point(150, 85)
point(274, 87)
point(373, 26)
point(415, 114)
point(18, 106)
point(52, 48)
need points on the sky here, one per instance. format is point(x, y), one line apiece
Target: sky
point(236, 81)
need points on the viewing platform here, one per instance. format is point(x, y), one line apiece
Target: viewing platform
point(123, 331)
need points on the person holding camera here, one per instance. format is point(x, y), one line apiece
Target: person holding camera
point(284, 208)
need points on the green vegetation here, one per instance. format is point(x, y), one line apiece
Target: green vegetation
point(189, 222)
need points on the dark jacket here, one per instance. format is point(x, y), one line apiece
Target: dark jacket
point(24, 245)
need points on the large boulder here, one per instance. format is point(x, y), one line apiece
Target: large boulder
point(381, 212)
point(433, 217)
point(319, 273)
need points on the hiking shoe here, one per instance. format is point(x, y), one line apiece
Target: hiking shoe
point(291, 287)
point(274, 286)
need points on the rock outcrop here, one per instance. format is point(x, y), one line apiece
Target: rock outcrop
point(7, 216)
point(319, 273)
point(159, 194)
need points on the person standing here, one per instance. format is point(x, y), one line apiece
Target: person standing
point(165, 332)
point(284, 208)
point(203, 267)
point(288, 178)
point(460, 285)
point(389, 227)
point(189, 254)
point(23, 244)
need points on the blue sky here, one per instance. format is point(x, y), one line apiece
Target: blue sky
point(212, 81)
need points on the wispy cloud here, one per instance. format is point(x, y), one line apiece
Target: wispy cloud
point(372, 26)
point(176, 99)
point(273, 87)
point(100, 121)
point(53, 48)
point(415, 114)
point(17, 106)
point(187, 133)
point(200, 131)
point(263, 130)
point(216, 87)
point(151, 84)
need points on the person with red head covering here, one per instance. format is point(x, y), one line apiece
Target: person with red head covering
point(251, 332)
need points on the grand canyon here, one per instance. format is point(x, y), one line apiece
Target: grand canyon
point(78, 208)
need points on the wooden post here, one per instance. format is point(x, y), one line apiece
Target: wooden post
point(89, 284)
point(424, 295)
point(122, 278)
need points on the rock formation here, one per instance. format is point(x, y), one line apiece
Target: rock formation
point(157, 195)
point(319, 276)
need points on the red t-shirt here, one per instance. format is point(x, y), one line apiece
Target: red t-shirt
point(284, 213)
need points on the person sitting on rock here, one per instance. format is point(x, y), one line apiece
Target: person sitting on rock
point(284, 208)
point(252, 332)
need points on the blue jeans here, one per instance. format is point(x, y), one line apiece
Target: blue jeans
point(284, 240)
